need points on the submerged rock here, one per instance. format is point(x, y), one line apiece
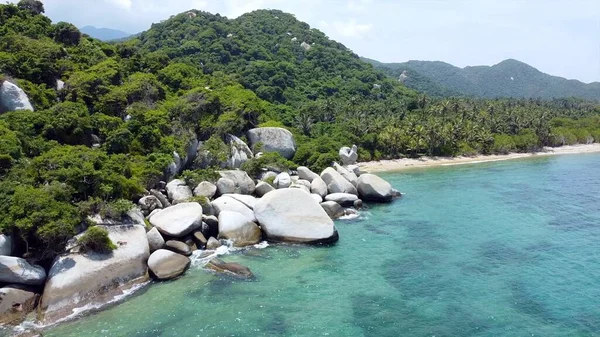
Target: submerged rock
point(77, 279)
point(18, 270)
point(238, 228)
point(179, 220)
point(291, 215)
point(230, 268)
point(16, 301)
point(333, 209)
point(374, 188)
point(165, 264)
point(273, 140)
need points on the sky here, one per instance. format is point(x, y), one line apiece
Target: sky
point(561, 38)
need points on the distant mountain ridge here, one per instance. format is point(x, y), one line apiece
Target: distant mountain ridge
point(104, 34)
point(509, 78)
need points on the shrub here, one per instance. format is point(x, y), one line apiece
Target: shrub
point(194, 177)
point(271, 160)
point(503, 144)
point(113, 210)
point(95, 239)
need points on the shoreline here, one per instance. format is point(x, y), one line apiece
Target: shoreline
point(427, 162)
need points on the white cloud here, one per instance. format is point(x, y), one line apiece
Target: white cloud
point(350, 28)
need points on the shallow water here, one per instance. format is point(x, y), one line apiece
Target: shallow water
point(496, 249)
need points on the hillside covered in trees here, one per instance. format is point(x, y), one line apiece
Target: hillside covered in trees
point(108, 116)
point(509, 78)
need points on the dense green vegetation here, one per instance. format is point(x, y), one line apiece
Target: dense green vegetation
point(110, 133)
point(509, 78)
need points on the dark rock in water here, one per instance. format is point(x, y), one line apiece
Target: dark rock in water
point(165, 264)
point(396, 193)
point(358, 204)
point(178, 247)
point(16, 301)
point(191, 243)
point(200, 239)
point(232, 268)
point(333, 209)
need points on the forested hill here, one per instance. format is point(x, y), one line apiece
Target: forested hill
point(104, 34)
point(509, 78)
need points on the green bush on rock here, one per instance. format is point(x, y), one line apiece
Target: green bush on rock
point(95, 239)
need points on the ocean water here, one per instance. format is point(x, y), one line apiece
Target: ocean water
point(494, 249)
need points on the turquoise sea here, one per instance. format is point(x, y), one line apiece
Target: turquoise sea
point(508, 248)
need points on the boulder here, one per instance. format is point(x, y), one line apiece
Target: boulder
point(77, 279)
point(373, 188)
point(242, 182)
point(268, 175)
point(5, 245)
point(205, 189)
point(348, 156)
point(230, 268)
point(318, 186)
point(301, 187)
point(165, 264)
point(16, 301)
point(178, 247)
point(354, 169)
point(273, 140)
point(240, 152)
point(396, 193)
point(283, 180)
point(336, 183)
point(178, 191)
point(155, 240)
point(291, 215)
point(199, 239)
point(227, 203)
point(225, 186)
point(149, 203)
point(179, 220)
point(317, 198)
point(238, 228)
point(306, 174)
point(248, 200)
point(263, 188)
point(333, 209)
point(350, 176)
point(358, 204)
point(18, 270)
point(213, 243)
point(13, 98)
point(344, 199)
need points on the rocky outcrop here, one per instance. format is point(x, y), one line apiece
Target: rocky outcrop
point(77, 279)
point(348, 156)
point(18, 270)
point(178, 163)
point(227, 203)
point(243, 184)
point(283, 180)
point(333, 209)
point(344, 199)
point(273, 140)
point(165, 264)
point(263, 188)
point(317, 198)
point(336, 183)
point(5, 245)
point(213, 243)
point(373, 188)
point(178, 247)
point(199, 239)
point(306, 174)
point(248, 200)
point(178, 191)
point(13, 98)
point(16, 301)
point(318, 186)
point(179, 220)
point(155, 240)
point(206, 189)
point(230, 268)
point(238, 228)
point(240, 152)
point(161, 197)
point(291, 215)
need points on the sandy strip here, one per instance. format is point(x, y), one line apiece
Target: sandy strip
point(409, 163)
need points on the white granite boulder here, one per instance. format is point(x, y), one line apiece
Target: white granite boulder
point(306, 174)
point(178, 191)
point(205, 189)
point(263, 188)
point(336, 183)
point(318, 186)
point(16, 301)
point(348, 175)
point(283, 180)
point(291, 215)
point(273, 140)
point(333, 209)
point(243, 184)
point(155, 240)
point(240, 152)
point(238, 228)
point(5, 245)
point(179, 220)
point(165, 264)
point(374, 188)
point(348, 156)
point(13, 98)
point(18, 270)
point(227, 203)
point(344, 199)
